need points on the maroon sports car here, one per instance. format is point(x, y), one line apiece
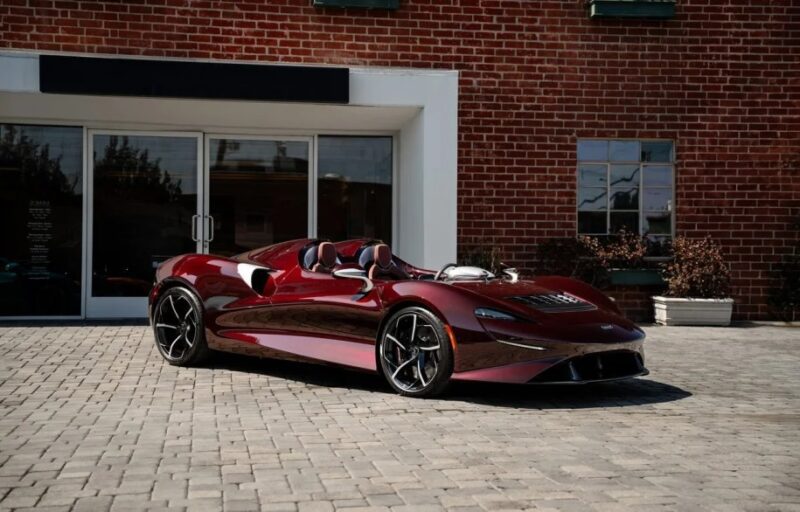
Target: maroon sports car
point(357, 305)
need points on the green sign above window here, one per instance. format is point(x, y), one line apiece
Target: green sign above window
point(646, 9)
point(364, 4)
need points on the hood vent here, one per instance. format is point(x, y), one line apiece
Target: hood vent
point(554, 302)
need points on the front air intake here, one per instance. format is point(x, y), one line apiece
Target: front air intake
point(618, 364)
point(554, 302)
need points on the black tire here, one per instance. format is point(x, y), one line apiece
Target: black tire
point(406, 357)
point(178, 327)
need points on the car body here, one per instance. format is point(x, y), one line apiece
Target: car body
point(277, 302)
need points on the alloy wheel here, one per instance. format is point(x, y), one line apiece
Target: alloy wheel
point(410, 352)
point(176, 326)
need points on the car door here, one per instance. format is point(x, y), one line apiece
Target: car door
point(318, 316)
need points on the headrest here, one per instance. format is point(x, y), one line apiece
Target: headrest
point(326, 254)
point(382, 256)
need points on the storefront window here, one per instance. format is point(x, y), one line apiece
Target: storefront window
point(40, 190)
point(258, 192)
point(355, 188)
point(145, 194)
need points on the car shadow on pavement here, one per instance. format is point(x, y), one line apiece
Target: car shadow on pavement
point(640, 391)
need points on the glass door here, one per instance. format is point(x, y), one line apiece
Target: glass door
point(257, 192)
point(145, 200)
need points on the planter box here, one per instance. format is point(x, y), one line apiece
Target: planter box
point(635, 276)
point(644, 9)
point(364, 4)
point(680, 311)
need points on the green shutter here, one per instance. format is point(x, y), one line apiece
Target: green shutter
point(647, 9)
point(364, 4)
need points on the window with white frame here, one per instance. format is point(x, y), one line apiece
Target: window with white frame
point(626, 184)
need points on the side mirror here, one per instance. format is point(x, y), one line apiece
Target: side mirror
point(354, 273)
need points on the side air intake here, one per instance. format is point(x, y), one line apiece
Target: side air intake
point(554, 302)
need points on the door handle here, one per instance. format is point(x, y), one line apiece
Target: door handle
point(210, 228)
point(194, 227)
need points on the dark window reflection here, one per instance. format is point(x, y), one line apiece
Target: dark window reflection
point(592, 222)
point(258, 193)
point(628, 221)
point(145, 194)
point(355, 188)
point(592, 199)
point(40, 190)
point(624, 199)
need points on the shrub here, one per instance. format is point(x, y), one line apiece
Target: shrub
point(623, 250)
point(482, 256)
point(571, 257)
point(697, 270)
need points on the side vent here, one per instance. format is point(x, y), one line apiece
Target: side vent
point(256, 277)
point(554, 302)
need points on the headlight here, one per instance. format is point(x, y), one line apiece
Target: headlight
point(494, 314)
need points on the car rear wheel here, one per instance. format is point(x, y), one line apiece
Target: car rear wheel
point(414, 353)
point(178, 326)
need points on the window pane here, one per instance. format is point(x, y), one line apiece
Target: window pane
point(258, 193)
point(40, 190)
point(657, 151)
point(624, 151)
point(592, 223)
point(145, 193)
point(657, 176)
point(657, 223)
point(625, 198)
point(355, 188)
point(592, 199)
point(629, 221)
point(622, 175)
point(592, 175)
point(593, 150)
point(657, 199)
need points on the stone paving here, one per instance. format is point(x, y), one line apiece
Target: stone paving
point(92, 419)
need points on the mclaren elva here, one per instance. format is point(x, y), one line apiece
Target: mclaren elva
point(357, 305)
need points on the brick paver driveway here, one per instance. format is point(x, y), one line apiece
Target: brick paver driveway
point(93, 419)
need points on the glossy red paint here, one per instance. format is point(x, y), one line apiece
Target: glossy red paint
point(287, 311)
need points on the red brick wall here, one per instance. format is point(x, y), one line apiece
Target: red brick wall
point(722, 79)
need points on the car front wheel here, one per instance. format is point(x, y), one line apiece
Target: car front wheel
point(178, 326)
point(414, 353)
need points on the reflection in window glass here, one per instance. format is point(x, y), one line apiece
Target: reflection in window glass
point(657, 200)
point(657, 223)
point(620, 194)
point(623, 175)
point(656, 151)
point(355, 188)
point(145, 193)
point(592, 175)
point(592, 223)
point(625, 198)
point(40, 190)
point(590, 199)
point(658, 176)
point(596, 150)
point(624, 151)
point(629, 221)
point(258, 193)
